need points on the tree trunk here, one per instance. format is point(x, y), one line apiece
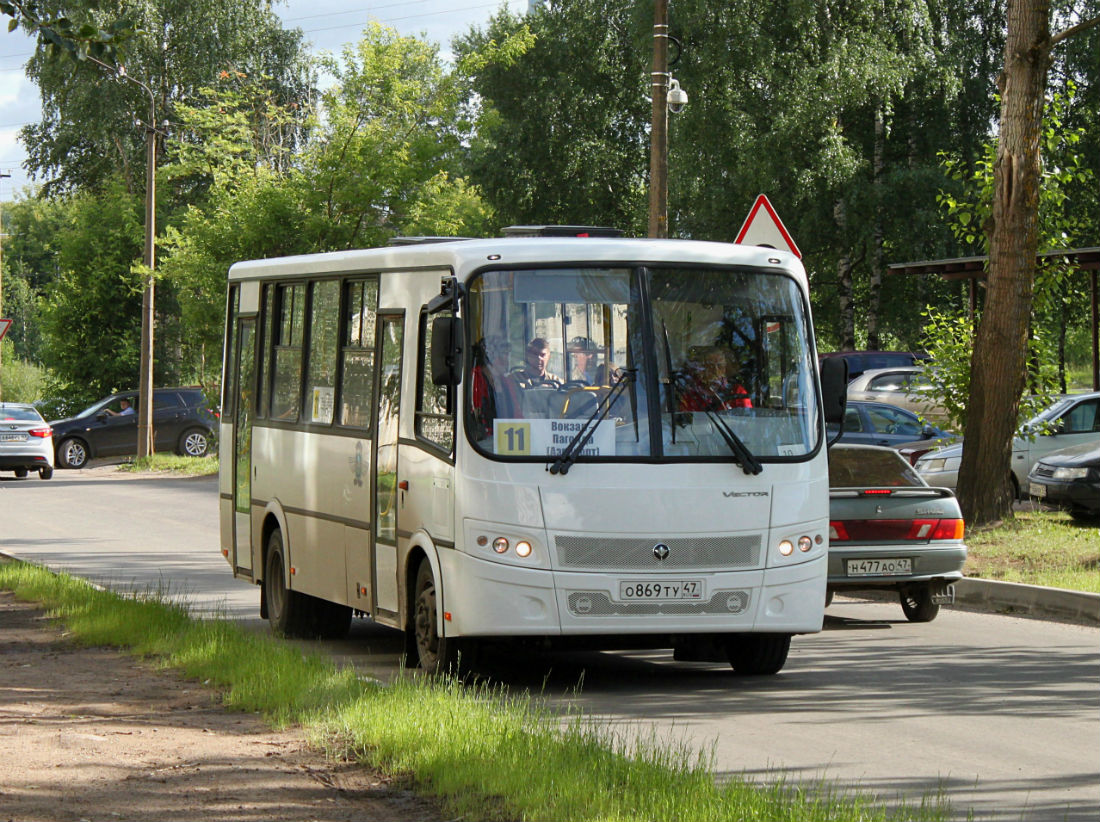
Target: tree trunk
point(844, 280)
point(999, 360)
point(874, 297)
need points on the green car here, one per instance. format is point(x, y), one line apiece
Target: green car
point(889, 530)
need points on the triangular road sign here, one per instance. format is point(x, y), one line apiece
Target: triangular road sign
point(763, 227)
point(4, 326)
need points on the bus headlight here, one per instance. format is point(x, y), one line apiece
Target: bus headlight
point(805, 544)
point(786, 548)
point(500, 545)
point(523, 548)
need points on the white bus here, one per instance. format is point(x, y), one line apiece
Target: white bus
point(561, 440)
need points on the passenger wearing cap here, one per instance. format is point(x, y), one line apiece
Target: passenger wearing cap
point(584, 353)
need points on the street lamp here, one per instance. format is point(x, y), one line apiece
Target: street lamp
point(667, 96)
point(145, 380)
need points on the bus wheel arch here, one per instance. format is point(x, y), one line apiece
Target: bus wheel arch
point(426, 643)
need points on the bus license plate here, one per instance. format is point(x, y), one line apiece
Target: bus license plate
point(885, 567)
point(667, 589)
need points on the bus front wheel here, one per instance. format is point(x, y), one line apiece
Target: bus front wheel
point(758, 654)
point(287, 610)
point(436, 654)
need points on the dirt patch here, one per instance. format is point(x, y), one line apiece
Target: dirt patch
point(93, 734)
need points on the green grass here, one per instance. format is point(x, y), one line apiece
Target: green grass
point(1039, 548)
point(173, 464)
point(484, 754)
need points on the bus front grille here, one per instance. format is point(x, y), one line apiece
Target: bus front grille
point(642, 554)
point(599, 604)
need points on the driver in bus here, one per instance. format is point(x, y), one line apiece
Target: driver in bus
point(534, 373)
point(709, 387)
point(495, 394)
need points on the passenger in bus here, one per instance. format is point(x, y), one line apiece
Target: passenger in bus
point(584, 353)
point(534, 374)
point(495, 394)
point(706, 384)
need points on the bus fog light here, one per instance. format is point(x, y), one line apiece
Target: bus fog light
point(805, 544)
point(523, 548)
point(500, 545)
point(786, 548)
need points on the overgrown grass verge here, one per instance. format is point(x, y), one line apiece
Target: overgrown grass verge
point(173, 464)
point(1038, 548)
point(485, 754)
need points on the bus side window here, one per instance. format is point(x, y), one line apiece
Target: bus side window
point(357, 352)
point(286, 383)
point(434, 403)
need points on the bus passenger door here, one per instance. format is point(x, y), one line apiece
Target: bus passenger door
point(386, 492)
point(242, 445)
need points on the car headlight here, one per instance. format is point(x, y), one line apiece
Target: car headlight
point(939, 464)
point(1070, 473)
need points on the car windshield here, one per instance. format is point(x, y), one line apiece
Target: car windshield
point(716, 361)
point(1049, 414)
point(870, 468)
point(18, 414)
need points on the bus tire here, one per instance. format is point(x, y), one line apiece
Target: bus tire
point(436, 654)
point(916, 602)
point(287, 611)
point(758, 654)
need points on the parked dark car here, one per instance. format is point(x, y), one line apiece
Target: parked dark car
point(860, 361)
point(879, 423)
point(889, 530)
point(182, 422)
point(1070, 479)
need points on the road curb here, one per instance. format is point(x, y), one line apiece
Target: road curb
point(1031, 600)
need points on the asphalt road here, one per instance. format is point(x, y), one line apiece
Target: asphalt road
point(998, 713)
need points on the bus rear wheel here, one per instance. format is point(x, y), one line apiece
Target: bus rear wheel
point(287, 610)
point(436, 654)
point(758, 654)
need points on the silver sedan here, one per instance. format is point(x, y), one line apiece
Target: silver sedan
point(26, 441)
point(889, 530)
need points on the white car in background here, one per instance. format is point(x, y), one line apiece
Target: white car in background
point(26, 441)
point(1071, 420)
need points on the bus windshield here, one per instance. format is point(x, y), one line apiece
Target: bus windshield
point(717, 361)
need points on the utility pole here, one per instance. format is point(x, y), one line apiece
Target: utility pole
point(658, 135)
point(148, 313)
point(2, 236)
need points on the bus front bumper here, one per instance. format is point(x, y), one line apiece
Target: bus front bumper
point(482, 598)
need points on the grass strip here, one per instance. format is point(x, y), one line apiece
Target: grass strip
point(484, 753)
point(172, 464)
point(1037, 547)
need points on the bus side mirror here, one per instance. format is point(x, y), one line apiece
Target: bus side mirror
point(446, 351)
point(834, 390)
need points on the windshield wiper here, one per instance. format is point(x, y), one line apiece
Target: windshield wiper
point(749, 463)
point(571, 451)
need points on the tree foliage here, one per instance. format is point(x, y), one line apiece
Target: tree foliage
point(87, 133)
point(91, 317)
point(59, 33)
